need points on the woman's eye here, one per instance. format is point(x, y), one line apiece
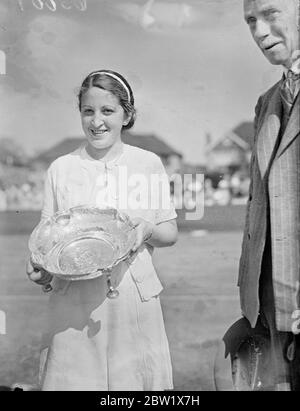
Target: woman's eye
point(251, 21)
point(88, 112)
point(107, 111)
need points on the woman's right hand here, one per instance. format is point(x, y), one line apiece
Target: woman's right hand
point(37, 275)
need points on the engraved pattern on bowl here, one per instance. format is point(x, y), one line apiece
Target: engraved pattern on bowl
point(82, 243)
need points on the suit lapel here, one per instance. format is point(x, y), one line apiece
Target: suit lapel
point(293, 127)
point(269, 132)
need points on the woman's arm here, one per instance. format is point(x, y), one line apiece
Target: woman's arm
point(49, 201)
point(162, 231)
point(163, 234)
point(42, 277)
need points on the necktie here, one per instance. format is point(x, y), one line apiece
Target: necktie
point(289, 89)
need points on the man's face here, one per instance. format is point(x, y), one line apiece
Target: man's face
point(274, 27)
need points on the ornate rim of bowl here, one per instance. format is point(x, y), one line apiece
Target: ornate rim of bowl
point(44, 260)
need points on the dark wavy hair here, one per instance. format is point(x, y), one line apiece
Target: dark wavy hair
point(101, 80)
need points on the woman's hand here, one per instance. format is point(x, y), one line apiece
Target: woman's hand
point(37, 275)
point(144, 230)
point(163, 234)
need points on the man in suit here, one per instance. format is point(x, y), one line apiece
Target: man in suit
point(269, 272)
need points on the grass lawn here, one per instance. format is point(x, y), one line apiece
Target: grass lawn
point(215, 218)
point(200, 301)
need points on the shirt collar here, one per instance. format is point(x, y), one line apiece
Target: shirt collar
point(295, 67)
point(109, 164)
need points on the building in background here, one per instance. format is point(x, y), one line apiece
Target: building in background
point(227, 165)
point(232, 152)
point(22, 179)
point(224, 179)
point(170, 157)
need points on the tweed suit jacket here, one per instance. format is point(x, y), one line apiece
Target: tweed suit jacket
point(274, 190)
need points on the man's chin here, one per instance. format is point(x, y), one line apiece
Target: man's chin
point(277, 59)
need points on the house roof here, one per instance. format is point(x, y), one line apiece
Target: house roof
point(148, 142)
point(242, 136)
point(245, 131)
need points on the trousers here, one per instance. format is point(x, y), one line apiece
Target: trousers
point(284, 346)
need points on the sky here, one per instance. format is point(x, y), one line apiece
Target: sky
point(192, 65)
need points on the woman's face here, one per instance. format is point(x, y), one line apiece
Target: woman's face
point(102, 118)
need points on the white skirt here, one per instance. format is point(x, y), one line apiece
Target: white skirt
point(93, 343)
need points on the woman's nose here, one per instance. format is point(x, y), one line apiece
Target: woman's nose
point(97, 120)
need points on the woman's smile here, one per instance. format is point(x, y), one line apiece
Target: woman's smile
point(98, 132)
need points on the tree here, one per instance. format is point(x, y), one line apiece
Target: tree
point(12, 153)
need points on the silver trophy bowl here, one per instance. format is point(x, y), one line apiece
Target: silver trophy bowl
point(82, 243)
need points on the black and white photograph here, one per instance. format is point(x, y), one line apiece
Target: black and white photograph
point(149, 198)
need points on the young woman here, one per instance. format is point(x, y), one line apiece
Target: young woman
point(92, 342)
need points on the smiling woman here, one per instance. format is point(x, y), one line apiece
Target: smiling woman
point(99, 339)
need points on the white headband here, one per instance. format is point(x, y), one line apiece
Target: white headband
point(116, 78)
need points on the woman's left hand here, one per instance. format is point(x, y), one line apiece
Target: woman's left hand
point(144, 230)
